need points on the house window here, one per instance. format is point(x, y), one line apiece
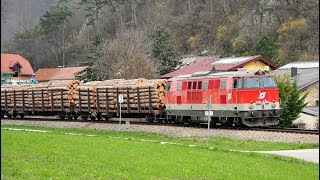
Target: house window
point(16, 68)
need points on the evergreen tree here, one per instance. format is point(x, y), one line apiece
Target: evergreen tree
point(91, 55)
point(163, 50)
point(291, 102)
point(266, 47)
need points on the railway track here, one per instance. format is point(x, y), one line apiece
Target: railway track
point(139, 121)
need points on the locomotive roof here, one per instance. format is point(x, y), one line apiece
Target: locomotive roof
point(219, 74)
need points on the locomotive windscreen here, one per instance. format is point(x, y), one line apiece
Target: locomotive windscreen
point(254, 82)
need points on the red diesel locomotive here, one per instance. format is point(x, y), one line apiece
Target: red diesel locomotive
point(237, 98)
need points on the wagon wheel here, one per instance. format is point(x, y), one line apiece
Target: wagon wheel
point(62, 116)
point(150, 118)
point(69, 117)
point(14, 115)
point(9, 115)
point(21, 115)
point(84, 117)
point(93, 118)
point(106, 117)
point(75, 117)
point(99, 117)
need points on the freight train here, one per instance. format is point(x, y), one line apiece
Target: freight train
point(240, 98)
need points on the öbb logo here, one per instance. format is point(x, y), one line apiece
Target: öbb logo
point(262, 95)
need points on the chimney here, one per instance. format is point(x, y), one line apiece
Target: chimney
point(294, 71)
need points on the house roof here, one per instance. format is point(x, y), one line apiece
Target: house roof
point(301, 65)
point(307, 73)
point(48, 74)
point(233, 63)
point(193, 65)
point(311, 110)
point(9, 60)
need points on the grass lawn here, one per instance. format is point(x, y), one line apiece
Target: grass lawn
point(92, 154)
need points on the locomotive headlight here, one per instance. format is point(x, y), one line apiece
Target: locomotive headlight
point(251, 106)
point(273, 105)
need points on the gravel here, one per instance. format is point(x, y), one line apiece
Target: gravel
point(176, 131)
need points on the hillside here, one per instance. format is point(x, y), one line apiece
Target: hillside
point(110, 34)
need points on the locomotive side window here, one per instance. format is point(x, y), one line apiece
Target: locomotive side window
point(251, 82)
point(223, 84)
point(189, 85)
point(237, 83)
point(216, 84)
point(179, 86)
point(194, 86)
point(269, 82)
point(168, 86)
point(199, 85)
point(205, 85)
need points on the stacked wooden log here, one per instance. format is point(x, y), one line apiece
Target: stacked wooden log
point(160, 92)
point(73, 92)
point(39, 93)
point(138, 94)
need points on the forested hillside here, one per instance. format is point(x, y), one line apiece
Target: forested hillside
point(135, 38)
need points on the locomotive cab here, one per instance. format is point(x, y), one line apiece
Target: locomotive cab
point(237, 98)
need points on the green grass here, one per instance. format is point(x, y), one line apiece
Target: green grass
point(127, 155)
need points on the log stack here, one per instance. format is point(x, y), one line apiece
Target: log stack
point(138, 94)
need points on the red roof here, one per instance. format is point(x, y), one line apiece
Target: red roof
point(8, 60)
point(220, 64)
point(48, 74)
point(199, 64)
